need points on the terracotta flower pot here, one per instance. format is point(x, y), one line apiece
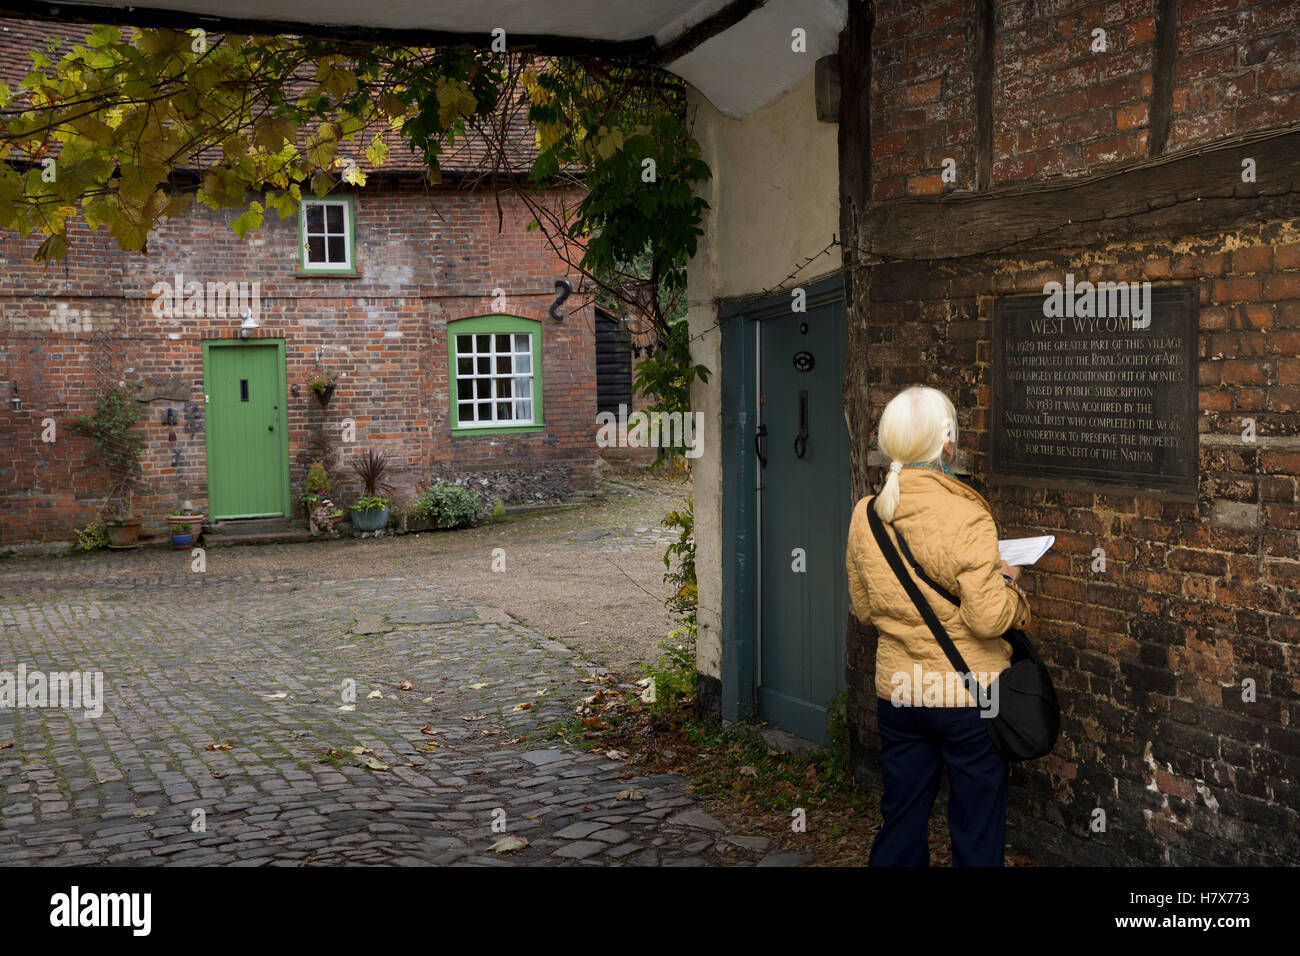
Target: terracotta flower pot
point(123, 534)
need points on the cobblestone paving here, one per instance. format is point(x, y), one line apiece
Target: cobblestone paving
point(223, 693)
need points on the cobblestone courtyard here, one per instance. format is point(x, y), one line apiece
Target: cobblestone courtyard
point(224, 700)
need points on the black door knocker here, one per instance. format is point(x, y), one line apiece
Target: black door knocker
point(760, 445)
point(801, 440)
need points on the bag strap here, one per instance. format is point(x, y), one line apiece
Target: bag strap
point(927, 613)
point(920, 572)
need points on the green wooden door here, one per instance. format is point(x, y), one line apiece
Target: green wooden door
point(247, 454)
point(804, 511)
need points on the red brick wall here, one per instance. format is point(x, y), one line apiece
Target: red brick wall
point(1238, 68)
point(1200, 592)
point(1149, 656)
point(921, 106)
point(424, 259)
point(1059, 107)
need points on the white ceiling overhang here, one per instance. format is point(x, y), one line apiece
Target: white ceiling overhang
point(738, 53)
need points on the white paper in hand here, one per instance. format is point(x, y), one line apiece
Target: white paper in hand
point(1021, 551)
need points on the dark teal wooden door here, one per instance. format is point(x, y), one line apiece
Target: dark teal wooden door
point(804, 512)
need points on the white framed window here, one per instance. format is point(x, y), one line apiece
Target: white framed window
point(495, 379)
point(328, 238)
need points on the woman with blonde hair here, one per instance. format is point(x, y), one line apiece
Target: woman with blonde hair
point(928, 717)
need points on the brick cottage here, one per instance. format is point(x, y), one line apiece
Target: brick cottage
point(434, 322)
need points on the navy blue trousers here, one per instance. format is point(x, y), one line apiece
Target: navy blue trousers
point(916, 742)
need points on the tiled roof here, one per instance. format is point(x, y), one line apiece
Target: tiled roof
point(469, 155)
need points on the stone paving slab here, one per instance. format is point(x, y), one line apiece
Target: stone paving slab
point(251, 719)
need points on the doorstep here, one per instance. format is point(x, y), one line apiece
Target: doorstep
point(218, 534)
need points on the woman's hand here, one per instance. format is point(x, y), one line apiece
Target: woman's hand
point(1011, 570)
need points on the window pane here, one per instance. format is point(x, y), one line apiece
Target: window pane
point(484, 411)
point(465, 344)
point(523, 343)
point(464, 365)
point(337, 249)
point(502, 343)
point(334, 218)
point(523, 363)
point(485, 366)
point(525, 410)
point(524, 387)
point(503, 388)
point(483, 343)
point(315, 248)
point(503, 364)
point(466, 411)
point(483, 387)
point(315, 218)
point(503, 411)
point(464, 389)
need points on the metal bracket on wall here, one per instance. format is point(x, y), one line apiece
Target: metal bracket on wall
point(563, 289)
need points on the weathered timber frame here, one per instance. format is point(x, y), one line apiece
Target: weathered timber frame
point(1184, 194)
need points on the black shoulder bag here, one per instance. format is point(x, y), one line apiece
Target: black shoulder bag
point(1029, 716)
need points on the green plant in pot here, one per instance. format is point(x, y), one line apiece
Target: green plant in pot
point(316, 487)
point(117, 451)
point(185, 526)
point(322, 383)
point(370, 511)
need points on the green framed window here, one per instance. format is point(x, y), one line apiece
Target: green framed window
point(495, 374)
point(328, 233)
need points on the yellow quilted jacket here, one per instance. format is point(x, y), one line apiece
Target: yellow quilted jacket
point(949, 529)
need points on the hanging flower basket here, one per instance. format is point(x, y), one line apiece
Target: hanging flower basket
point(324, 394)
point(321, 382)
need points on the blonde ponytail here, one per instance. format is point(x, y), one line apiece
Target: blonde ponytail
point(913, 428)
point(887, 499)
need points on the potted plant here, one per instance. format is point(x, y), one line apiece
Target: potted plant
point(325, 519)
point(321, 382)
point(118, 451)
point(370, 511)
point(316, 488)
point(185, 526)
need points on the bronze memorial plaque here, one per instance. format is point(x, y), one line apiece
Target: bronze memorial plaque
point(1097, 382)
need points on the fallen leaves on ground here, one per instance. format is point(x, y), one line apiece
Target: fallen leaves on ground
point(374, 763)
point(738, 778)
point(225, 744)
point(509, 844)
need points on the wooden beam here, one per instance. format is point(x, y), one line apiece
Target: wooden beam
point(1183, 194)
point(706, 29)
point(855, 204)
point(985, 53)
point(1163, 56)
point(642, 49)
